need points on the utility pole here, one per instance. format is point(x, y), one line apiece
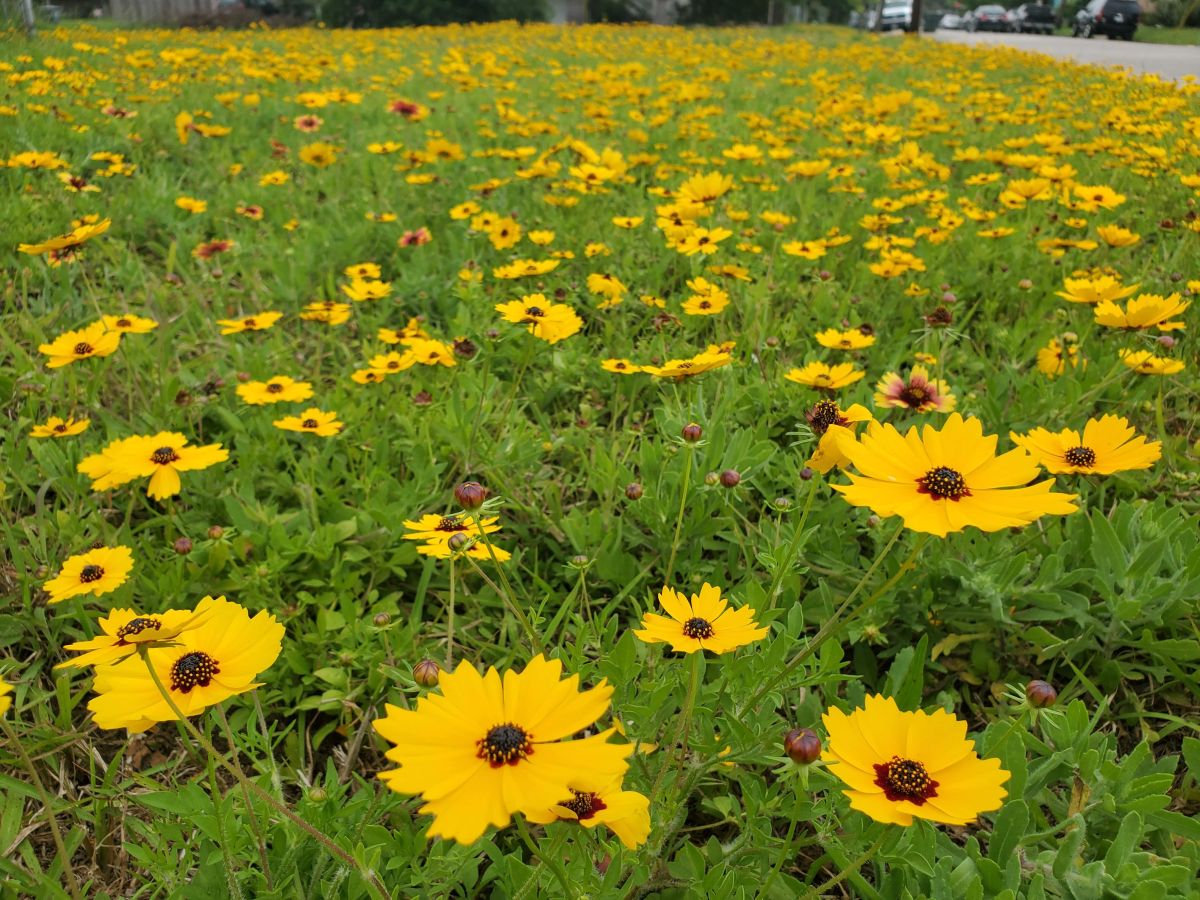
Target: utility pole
point(27, 15)
point(914, 26)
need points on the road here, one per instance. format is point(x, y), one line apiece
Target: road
point(1170, 61)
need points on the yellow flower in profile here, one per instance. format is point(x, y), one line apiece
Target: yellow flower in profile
point(218, 659)
point(1107, 445)
point(1144, 311)
point(620, 366)
point(626, 813)
point(853, 339)
point(311, 421)
point(280, 389)
point(1146, 363)
point(944, 480)
point(825, 377)
point(129, 324)
point(713, 358)
point(1053, 359)
point(96, 572)
point(257, 322)
point(483, 748)
point(705, 622)
point(327, 311)
point(901, 766)
point(552, 322)
point(85, 343)
point(123, 629)
point(72, 240)
point(360, 289)
point(319, 154)
point(192, 205)
point(825, 418)
point(56, 427)
point(1094, 290)
point(1093, 196)
point(1116, 236)
point(5, 698)
point(161, 457)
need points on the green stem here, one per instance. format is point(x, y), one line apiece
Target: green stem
point(669, 575)
point(550, 864)
point(696, 670)
point(214, 791)
point(785, 850)
point(371, 878)
point(450, 623)
point(59, 847)
point(849, 869)
point(783, 566)
point(526, 625)
point(259, 837)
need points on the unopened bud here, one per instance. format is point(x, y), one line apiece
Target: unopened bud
point(427, 673)
point(1025, 284)
point(712, 479)
point(633, 491)
point(471, 494)
point(422, 398)
point(806, 474)
point(215, 532)
point(692, 432)
point(380, 619)
point(772, 341)
point(183, 546)
point(579, 560)
point(458, 541)
point(873, 521)
point(1165, 340)
point(802, 746)
point(782, 503)
point(1040, 694)
point(730, 478)
point(318, 794)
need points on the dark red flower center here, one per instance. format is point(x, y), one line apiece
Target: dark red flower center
point(90, 573)
point(164, 456)
point(915, 394)
point(83, 348)
point(697, 628)
point(195, 669)
point(823, 414)
point(943, 483)
point(505, 744)
point(584, 805)
point(310, 423)
point(1084, 457)
point(135, 627)
point(905, 779)
point(450, 523)
point(275, 388)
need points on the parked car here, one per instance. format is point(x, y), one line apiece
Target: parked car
point(987, 18)
point(896, 16)
point(951, 22)
point(1115, 18)
point(1032, 18)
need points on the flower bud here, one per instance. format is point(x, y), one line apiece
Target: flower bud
point(802, 746)
point(1040, 694)
point(426, 673)
point(730, 478)
point(318, 794)
point(1165, 340)
point(471, 494)
point(633, 491)
point(806, 474)
point(215, 532)
point(825, 275)
point(1025, 284)
point(380, 619)
point(772, 341)
point(422, 398)
point(458, 541)
point(183, 546)
point(712, 479)
point(692, 432)
point(873, 521)
point(783, 504)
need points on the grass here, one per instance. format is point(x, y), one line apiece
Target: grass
point(966, 184)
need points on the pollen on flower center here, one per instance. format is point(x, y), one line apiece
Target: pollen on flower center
point(91, 573)
point(914, 394)
point(1084, 457)
point(123, 323)
point(823, 414)
point(164, 455)
point(83, 348)
point(584, 805)
point(274, 388)
point(943, 483)
point(135, 627)
point(195, 669)
point(697, 628)
point(905, 779)
point(505, 744)
point(450, 523)
point(310, 423)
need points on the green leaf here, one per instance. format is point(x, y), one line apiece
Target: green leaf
point(1007, 829)
point(1128, 836)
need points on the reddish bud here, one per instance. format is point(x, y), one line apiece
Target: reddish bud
point(471, 494)
point(730, 478)
point(802, 746)
point(692, 432)
point(633, 491)
point(426, 673)
point(183, 546)
point(1040, 694)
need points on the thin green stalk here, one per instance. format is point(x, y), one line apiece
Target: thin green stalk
point(696, 674)
point(487, 367)
point(450, 622)
point(259, 837)
point(551, 864)
point(526, 625)
point(849, 869)
point(784, 851)
point(783, 566)
point(59, 847)
point(214, 791)
point(669, 574)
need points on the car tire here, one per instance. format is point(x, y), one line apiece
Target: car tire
point(1086, 31)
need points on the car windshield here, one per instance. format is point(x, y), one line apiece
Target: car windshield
point(1120, 6)
point(991, 10)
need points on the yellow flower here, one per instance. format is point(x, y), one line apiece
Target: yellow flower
point(918, 392)
point(901, 766)
point(218, 659)
point(319, 154)
point(939, 481)
point(161, 457)
point(707, 300)
point(129, 324)
point(360, 289)
point(191, 204)
point(1116, 236)
point(1107, 445)
point(827, 421)
point(280, 389)
point(552, 322)
point(853, 339)
point(1093, 196)
point(73, 239)
point(311, 421)
point(628, 221)
point(484, 748)
point(713, 358)
point(1144, 311)
point(257, 322)
point(5, 699)
point(504, 233)
point(1053, 359)
point(327, 311)
point(626, 813)
point(1146, 363)
point(465, 210)
point(274, 179)
point(123, 629)
point(824, 377)
point(705, 622)
point(806, 249)
point(363, 271)
point(96, 572)
point(620, 366)
point(71, 346)
point(56, 427)
point(1094, 290)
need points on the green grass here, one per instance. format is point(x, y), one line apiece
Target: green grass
point(1102, 603)
point(1155, 35)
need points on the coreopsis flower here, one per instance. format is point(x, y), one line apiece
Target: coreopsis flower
point(1144, 311)
point(57, 427)
point(483, 748)
point(707, 298)
point(1095, 290)
point(435, 529)
point(280, 389)
point(410, 110)
point(1107, 445)
point(825, 377)
point(122, 630)
point(364, 271)
point(628, 221)
point(1116, 236)
point(523, 268)
point(412, 329)
point(1146, 363)
point(541, 237)
point(465, 210)
point(67, 243)
point(312, 421)
point(257, 322)
point(250, 211)
point(218, 659)
point(852, 339)
point(322, 155)
point(96, 572)
point(209, 249)
point(504, 233)
point(274, 179)
point(191, 205)
point(71, 346)
point(549, 321)
point(161, 457)
point(917, 392)
point(5, 697)
point(704, 189)
point(806, 249)
point(1100, 195)
point(899, 766)
point(705, 622)
point(701, 240)
point(360, 289)
point(1055, 357)
point(620, 366)
point(626, 813)
point(415, 238)
point(129, 324)
point(327, 311)
point(825, 418)
point(605, 285)
point(429, 352)
point(713, 358)
point(944, 480)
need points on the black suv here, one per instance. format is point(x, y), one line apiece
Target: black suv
point(1034, 18)
point(1115, 18)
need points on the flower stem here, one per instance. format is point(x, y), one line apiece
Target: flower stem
point(371, 878)
point(849, 869)
point(450, 622)
point(526, 626)
point(242, 781)
point(550, 864)
point(786, 849)
point(59, 846)
point(783, 566)
point(214, 792)
point(683, 495)
point(696, 670)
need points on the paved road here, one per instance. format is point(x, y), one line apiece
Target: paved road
point(1167, 60)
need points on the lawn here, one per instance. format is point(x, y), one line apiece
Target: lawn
point(610, 461)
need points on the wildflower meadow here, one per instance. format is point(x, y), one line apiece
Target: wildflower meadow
point(529, 461)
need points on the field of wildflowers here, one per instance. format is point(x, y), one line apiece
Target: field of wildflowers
point(595, 462)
